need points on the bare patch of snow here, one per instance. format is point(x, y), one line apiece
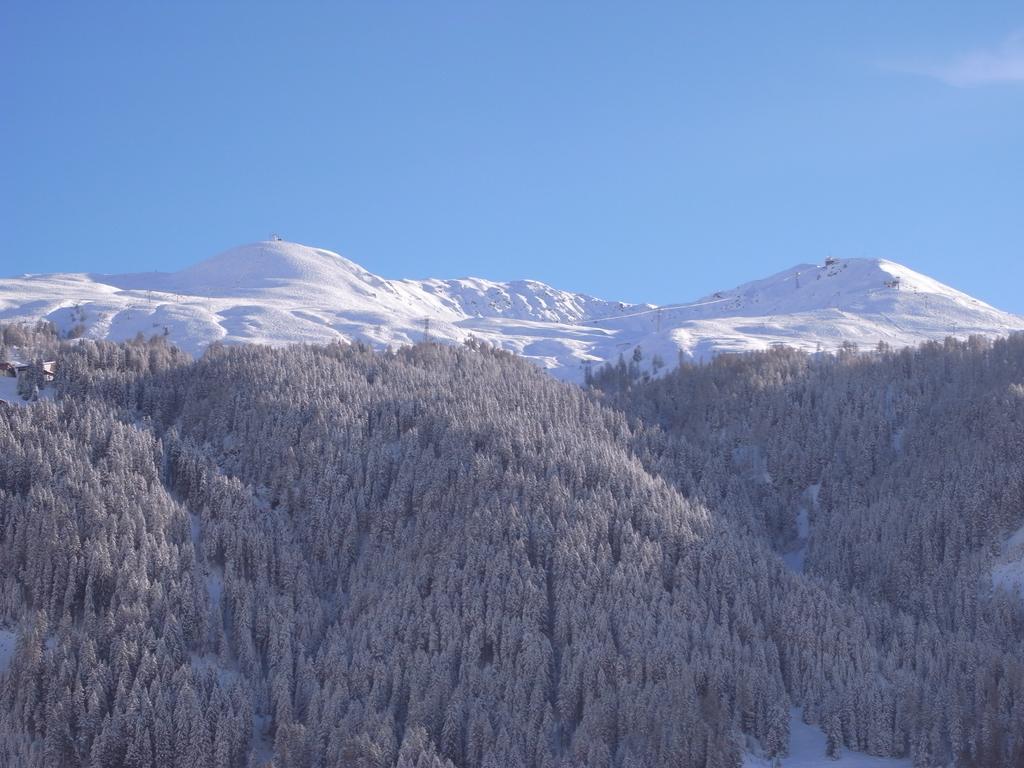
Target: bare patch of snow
point(1008, 572)
point(897, 439)
point(213, 575)
point(807, 750)
point(8, 641)
point(812, 493)
point(9, 391)
point(215, 587)
point(262, 745)
point(797, 554)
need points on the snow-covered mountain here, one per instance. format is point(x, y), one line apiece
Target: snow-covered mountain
point(279, 292)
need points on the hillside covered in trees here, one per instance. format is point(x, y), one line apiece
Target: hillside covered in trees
point(440, 557)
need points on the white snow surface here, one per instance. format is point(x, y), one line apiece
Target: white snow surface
point(9, 392)
point(807, 750)
point(797, 553)
point(1008, 571)
point(8, 642)
point(278, 292)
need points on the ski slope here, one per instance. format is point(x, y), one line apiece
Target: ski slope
point(277, 292)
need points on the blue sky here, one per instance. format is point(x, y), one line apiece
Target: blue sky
point(637, 151)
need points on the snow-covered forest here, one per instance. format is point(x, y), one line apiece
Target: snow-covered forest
point(440, 556)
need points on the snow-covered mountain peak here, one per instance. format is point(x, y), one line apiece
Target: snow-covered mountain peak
point(267, 264)
point(278, 292)
point(846, 285)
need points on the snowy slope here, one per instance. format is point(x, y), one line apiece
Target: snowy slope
point(807, 750)
point(863, 301)
point(278, 292)
point(9, 392)
point(8, 642)
point(1008, 571)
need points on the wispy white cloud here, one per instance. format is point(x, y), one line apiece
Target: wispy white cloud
point(1003, 63)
